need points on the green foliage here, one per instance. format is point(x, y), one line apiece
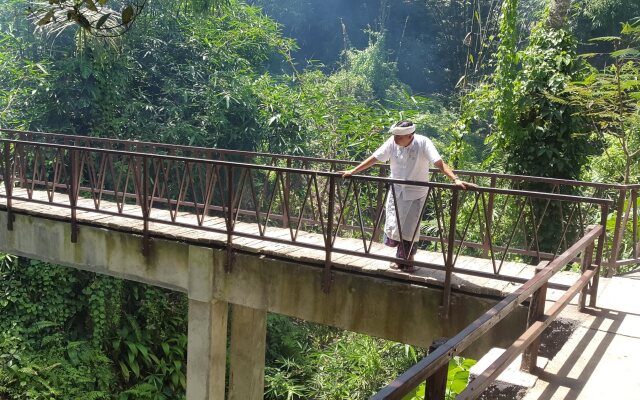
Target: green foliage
point(19, 79)
point(47, 369)
point(457, 379)
point(48, 353)
point(506, 71)
point(39, 297)
point(597, 18)
point(101, 17)
point(547, 138)
point(610, 100)
point(305, 360)
point(374, 74)
point(104, 296)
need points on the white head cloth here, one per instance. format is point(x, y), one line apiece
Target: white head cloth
point(402, 130)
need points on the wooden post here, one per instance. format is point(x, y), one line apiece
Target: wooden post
point(536, 311)
point(436, 384)
point(587, 261)
point(593, 292)
point(617, 234)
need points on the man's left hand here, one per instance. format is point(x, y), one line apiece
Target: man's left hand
point(464, 185)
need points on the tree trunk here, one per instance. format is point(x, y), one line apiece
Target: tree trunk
point(557, 13)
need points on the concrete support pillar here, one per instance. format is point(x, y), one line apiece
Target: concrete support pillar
point(248, 345)
point(207, 337)
point(206, 350)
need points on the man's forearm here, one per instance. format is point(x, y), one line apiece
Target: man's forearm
point(442, 166)
point(364, 165)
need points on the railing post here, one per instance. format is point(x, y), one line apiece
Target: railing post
point(489, 219)
point(436, 384)
point(617, 234)
point(636, 246)
point(328, 242)
point(146, 240)
point(593, 293)
point(587, 262)
point(536, 311)
point(73, 193)
point(446, 296)
point(377, 234)
point(8, 184)
point(287, 187)
point(230, 200)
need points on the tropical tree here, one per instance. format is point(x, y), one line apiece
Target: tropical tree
point(610, 101)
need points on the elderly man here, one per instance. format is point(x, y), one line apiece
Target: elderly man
point(410, 156)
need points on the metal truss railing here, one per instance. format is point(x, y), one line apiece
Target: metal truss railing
point(622, 248)
point(284, 205)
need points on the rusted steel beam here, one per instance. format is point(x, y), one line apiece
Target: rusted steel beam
point(326, 276)
point(436, 384)
point(593, 292)
point(634, 201)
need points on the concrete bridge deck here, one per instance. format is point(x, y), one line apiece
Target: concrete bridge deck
point(600, 359)
point(461, 282)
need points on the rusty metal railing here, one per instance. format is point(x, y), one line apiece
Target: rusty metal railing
point(286, 205)
point(622, 247)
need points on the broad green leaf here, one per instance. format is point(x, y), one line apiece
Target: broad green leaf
point(127, 15)
point(102, 20)
point(125, 371)
point(605, 39)
point(629, 52)
point(135, 368)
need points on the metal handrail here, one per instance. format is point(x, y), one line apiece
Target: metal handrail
point(166, 146)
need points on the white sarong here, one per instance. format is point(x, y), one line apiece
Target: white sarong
point(409, 213)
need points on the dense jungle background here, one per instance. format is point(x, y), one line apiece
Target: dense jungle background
point(534, 87)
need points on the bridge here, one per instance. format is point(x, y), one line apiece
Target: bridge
point(257, 233)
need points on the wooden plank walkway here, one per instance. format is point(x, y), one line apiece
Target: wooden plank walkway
point(192, 234)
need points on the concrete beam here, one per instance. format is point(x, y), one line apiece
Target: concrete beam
point(98, 250)
point(374, 306)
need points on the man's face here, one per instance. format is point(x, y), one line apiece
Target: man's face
point(403, 140)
